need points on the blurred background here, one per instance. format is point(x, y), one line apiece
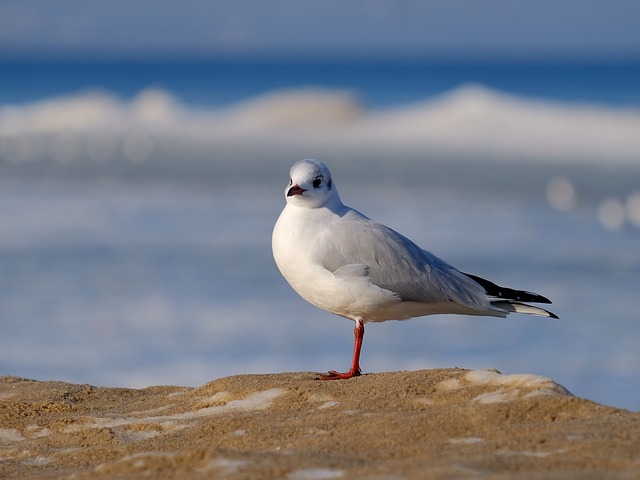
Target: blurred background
point(145, 147)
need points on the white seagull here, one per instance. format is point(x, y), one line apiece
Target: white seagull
point(345, 263)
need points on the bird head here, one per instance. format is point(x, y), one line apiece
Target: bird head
point(310, 185)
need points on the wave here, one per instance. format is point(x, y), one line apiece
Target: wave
point(470, 121)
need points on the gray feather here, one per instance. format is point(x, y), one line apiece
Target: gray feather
point(397, 264)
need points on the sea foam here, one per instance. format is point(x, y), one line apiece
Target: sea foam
point(472, 121)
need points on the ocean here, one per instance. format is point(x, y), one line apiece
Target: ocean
point(137, 201)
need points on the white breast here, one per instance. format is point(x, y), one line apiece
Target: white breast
point(348, 292)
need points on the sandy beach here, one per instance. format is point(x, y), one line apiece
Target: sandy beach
point(447, 423)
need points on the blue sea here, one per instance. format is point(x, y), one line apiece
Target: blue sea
point(137, 201)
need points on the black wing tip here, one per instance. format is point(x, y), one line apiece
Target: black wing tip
point(534, 297)
point(551, 314)
point(504, 293)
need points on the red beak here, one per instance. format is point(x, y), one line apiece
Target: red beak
point(295, 190)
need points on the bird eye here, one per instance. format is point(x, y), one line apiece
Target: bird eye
point(290, 182)
point(317, 182)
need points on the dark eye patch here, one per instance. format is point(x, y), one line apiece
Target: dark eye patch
point(317, 182)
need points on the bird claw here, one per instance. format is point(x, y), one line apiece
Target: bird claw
point(333, 375)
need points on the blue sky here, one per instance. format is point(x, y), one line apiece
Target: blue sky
point(469, 28)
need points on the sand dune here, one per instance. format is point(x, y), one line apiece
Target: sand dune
point(449, 423)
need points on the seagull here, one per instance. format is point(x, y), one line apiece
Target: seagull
point(341, 261)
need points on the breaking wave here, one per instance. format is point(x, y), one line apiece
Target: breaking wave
point(470, 121)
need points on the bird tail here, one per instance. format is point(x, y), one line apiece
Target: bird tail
point(510, 306)
point(508, 300)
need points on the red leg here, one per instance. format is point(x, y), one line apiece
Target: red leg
point(358, 333)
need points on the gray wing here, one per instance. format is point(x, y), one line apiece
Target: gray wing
point(397, 264)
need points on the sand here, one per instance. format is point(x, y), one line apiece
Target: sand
point(444, 424)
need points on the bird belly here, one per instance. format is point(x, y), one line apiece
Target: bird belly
point(354, 298)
